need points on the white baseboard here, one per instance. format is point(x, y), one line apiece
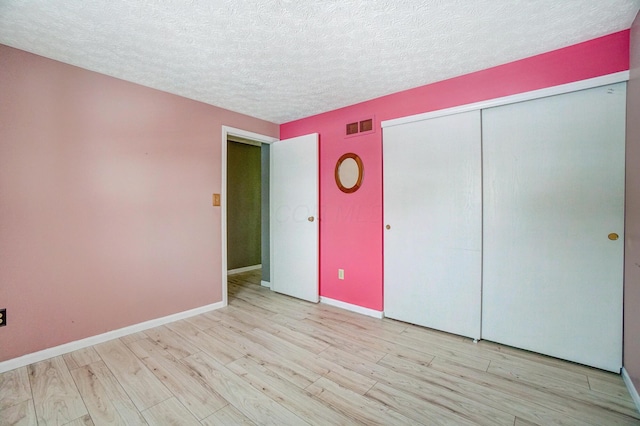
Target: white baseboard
point(632, 389)
point(352, 308)
point(245, 269)
point(24, 360)
point(265, 284)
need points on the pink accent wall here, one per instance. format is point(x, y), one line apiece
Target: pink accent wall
point(631, 360)
point(105, 202)
point(351, 225)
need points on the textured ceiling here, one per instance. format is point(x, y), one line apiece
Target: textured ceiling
point(285, 59)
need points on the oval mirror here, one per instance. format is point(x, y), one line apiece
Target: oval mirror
point(349, 172)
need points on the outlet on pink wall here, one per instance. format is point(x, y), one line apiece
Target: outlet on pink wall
point(351, 225)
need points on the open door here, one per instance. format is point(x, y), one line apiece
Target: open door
point(294, 217)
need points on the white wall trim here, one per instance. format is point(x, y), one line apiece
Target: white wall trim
point(244, 269)
point(265, 284)
point(227, 131)
point(590, 83)
point(353, 308)
point(632, 389)
point(25, 360)
point(245, 134)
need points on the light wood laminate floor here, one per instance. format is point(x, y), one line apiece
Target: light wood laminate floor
point(272, 359)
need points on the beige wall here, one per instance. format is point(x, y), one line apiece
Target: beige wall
point(632, 231)
point(105, 202)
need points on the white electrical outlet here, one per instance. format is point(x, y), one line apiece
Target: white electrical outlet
point(341, 274)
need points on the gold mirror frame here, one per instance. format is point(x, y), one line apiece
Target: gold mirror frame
point(340, 177)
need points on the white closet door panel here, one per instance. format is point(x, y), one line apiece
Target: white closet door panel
point(432, 203)
point(294, 217)
point(553, 190)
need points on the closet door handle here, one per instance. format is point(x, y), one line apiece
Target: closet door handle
point(613, 236)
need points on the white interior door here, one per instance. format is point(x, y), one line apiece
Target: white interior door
point(432, 209)
point(294, 217)
point(553, 190)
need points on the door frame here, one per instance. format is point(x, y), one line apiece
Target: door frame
point(226, 132)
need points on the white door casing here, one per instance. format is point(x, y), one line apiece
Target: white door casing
point(553, 190)
point(294, 183)
point(432, 206)
point(245, 134)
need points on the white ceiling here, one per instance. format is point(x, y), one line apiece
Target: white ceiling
point(280, 60)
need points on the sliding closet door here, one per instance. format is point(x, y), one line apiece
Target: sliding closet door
point(432, 212)
point(553, 190)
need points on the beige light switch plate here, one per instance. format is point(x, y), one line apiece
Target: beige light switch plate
point(216, 199)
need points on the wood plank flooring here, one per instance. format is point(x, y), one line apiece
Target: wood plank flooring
point(271, 359)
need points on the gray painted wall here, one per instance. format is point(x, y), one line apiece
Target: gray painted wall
point(266, 265)
point(244, 214)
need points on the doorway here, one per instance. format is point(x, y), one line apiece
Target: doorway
point(244, 206)
point(238, 136)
